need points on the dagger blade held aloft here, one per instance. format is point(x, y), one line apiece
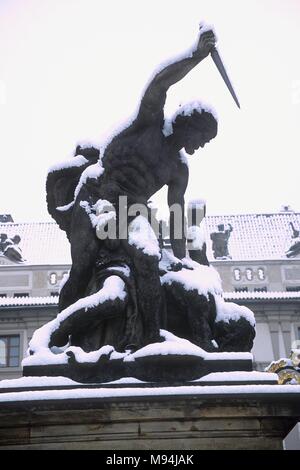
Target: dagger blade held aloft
point(220, 66)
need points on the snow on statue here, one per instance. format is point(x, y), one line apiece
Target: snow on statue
point(124, 290)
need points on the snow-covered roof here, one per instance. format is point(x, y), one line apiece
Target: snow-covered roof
point(255, 236)
point(28, 301)
point(261, 295)
point(52, 301)
point(42, 243)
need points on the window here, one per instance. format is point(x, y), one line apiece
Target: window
point(293, 288)
point(21, 294)
point(53, 279)
point(3, 295)
point(249, 274)
point(261, 274)
point(241, 289)
point(9, 351)
point(237, 274)
point(54, 294)
point(260, 289)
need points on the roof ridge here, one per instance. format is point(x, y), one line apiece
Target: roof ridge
point(262, 295)
point(6, 224)
point(254, 214)
point(53, 300)
point(28, 301)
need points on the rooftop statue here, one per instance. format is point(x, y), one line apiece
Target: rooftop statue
point(126, 293)
point(220, 241)
point(294, 246)
point(9, 248)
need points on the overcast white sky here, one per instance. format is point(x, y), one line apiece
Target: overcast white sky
point(71, 70)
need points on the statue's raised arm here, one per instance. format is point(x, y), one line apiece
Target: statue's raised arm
point(154, 99)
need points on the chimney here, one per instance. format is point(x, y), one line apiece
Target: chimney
point(286, 208)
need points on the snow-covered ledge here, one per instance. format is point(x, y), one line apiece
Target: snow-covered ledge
point(126, 418)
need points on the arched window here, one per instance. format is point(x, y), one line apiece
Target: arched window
point(53, 279)
point(237, 274)
point(261, 274)
point(249, 274)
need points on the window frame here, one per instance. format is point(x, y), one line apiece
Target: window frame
point(260, 289)
point(292, 288)
point(55, 275)
point(8, 348)
point(251, 271)
point(260, 268)
point(296, 328)
point(4, 371)
point(241, 289)
point(239, 272)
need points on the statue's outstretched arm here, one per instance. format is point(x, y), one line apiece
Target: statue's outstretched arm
point(295, 232)
point(154, 98)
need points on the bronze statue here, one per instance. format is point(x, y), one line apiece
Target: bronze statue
point(220, 241)
point(137, 163)
point(9, 248)
point(126, 292)
point(294, 248)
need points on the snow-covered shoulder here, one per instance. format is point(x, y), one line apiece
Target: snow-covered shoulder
point(204, 279)
point(91, 172)
point(227, 311)
point(77, 161)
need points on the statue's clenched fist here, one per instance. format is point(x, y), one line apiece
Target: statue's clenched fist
point(207, 41)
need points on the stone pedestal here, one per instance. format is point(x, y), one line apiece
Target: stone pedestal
point(166, 418)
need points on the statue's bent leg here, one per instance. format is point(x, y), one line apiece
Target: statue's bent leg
point(201, 316)
point(90, 315)
point(190, 314)
point(84, 249)
point(149, 293)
